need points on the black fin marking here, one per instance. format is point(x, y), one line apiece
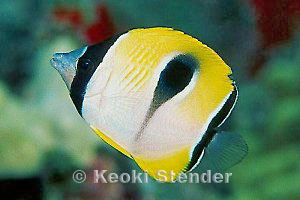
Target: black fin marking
point(210, 133)
point(197, 152)
point(224, 151)
point(94, 54)
point(225, 110)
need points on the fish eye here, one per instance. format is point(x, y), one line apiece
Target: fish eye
point(85, 65)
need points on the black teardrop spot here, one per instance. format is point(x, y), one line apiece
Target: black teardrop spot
point(174, 78)
point(177, 74)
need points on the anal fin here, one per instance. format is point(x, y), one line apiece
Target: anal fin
point(167, 168)
point(223, 152)
point(111, 142)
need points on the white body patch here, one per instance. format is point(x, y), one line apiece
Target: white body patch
point(120, 114)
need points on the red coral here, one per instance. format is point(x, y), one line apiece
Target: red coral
point(276, 21)
point(101, 29)
point(69, 16)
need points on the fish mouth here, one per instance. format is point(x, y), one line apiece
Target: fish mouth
point(53, 62)
point(62, 62)
point(56, 63)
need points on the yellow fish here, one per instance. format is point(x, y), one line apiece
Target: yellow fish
point(158, 96)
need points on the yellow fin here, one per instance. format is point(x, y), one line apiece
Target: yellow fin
point(111, 142)
point(160, 169)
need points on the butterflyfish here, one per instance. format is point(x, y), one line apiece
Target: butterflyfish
point(157, 95)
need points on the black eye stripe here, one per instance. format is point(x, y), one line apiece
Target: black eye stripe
point(94, 56)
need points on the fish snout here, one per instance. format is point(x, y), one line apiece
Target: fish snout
point(65, 64)
point(60, 62)
point(67, 61)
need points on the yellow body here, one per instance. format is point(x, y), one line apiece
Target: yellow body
point(139, 55)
